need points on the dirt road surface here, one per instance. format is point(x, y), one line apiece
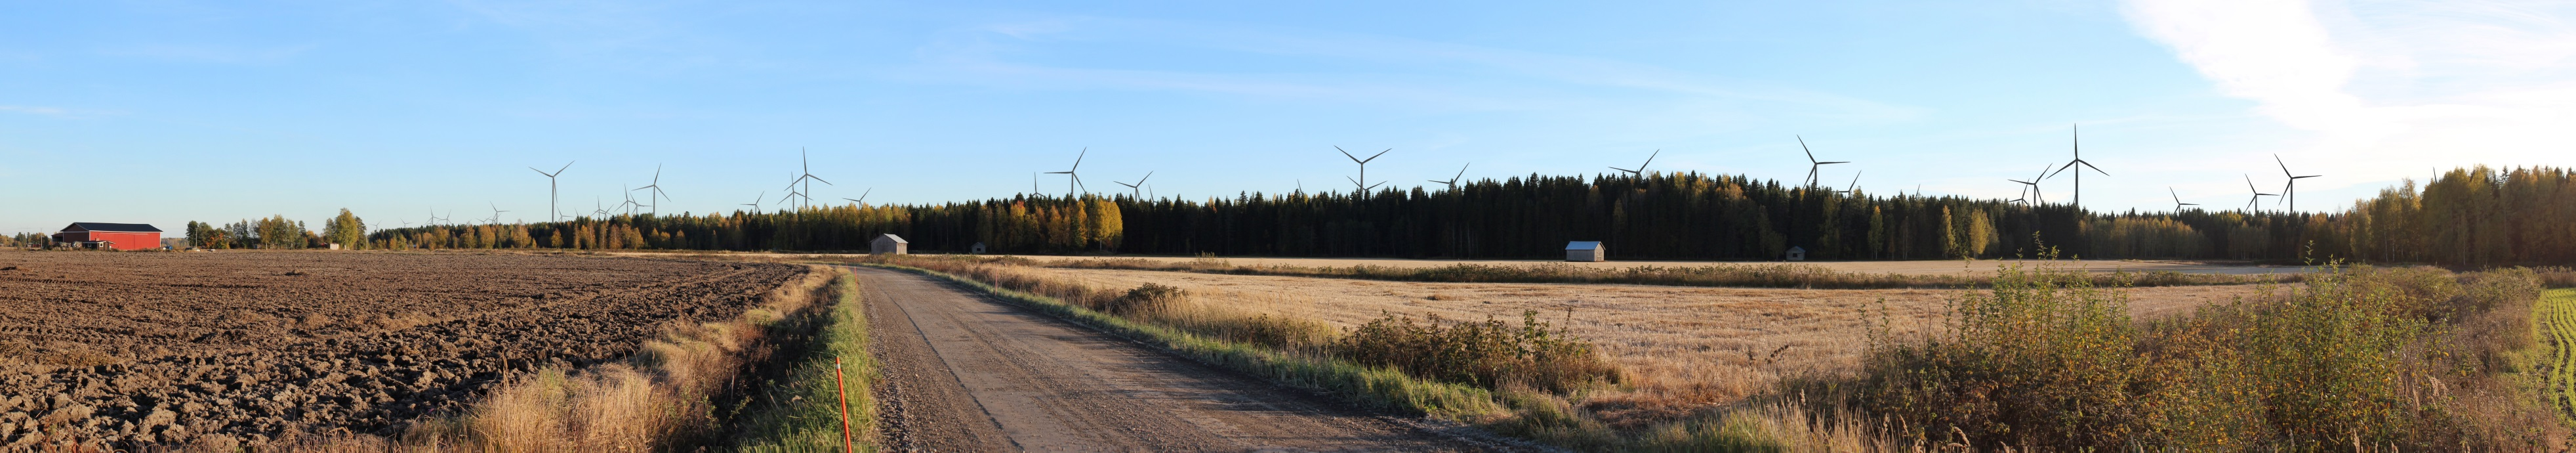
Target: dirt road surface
point(968, 373)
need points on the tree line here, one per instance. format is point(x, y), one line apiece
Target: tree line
point(2472, 216)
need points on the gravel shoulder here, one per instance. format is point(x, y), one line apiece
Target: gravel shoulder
point(964, 372)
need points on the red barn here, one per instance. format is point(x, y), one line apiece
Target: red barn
point(120, 236)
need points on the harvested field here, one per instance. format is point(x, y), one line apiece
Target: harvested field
point(134, 349)
point(1919, 267)
point(1687, 347)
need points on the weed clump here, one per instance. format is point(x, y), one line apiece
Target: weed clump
point(1491, 354)
point(1147, 299)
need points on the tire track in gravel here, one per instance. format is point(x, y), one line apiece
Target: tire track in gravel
point(964, 372)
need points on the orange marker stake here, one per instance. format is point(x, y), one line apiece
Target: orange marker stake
point(840, 388)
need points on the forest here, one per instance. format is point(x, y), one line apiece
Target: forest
point(2468, 216)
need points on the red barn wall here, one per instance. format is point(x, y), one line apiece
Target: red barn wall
point(128, 241)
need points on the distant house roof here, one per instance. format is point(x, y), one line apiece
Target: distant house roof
point(1798, 249)
point(897, 239)
point(1583, 245)
point(117, 227)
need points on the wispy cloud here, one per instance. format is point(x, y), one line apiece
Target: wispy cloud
point(2389, 88)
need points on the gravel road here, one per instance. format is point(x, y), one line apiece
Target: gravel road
point(968, 373)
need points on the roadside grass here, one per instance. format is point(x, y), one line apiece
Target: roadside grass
point(2556, 314)
point(1747, 275)
point(665, 397)
point(801, 410)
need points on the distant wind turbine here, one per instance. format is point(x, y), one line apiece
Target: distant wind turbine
point(1076, 178)
point(806, 175)
point(2251, 204)
point(1640, 172)
point(1132, 189)
point(2290, 192)
point(496, 213)
point(2178, 204)
point(2030, 191)
point(1462, 171)
point(1812, 163)
point(1362, 182)
point(1855, 184)
point(552, 211)
point(2079, 173)
point(755, 201)
point(862, 200)
point(656, 196)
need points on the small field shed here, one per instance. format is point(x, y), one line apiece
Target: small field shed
point(1796, 254)
point(889, 244)
point(1586, 251)
point(120, 236)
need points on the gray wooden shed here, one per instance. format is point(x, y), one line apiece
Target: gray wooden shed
point(1585, 251)
point(889, 244)
point(1797, 254)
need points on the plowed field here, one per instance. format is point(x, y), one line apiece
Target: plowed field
point(160, 348)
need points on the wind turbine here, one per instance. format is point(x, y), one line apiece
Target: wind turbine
point(862, 201)
point(2178, 204)
point(1361, 183)
point(755, 201)
point(2079, 174)
point(2258, 195)
point(2290, 192)
point(1077, 177)
point(1132, 189)
point(1812, 164)
point(1855, 184)
point(496, 213)
point(630, 203)
point(1462, 171)
point(656, 186)
point(1640, 172)
point(806, 175)
point(2030, 194)
point(598, 210)
point(550, 191)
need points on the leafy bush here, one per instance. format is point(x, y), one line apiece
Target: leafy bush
point(2392, 358)
point(1490, 354)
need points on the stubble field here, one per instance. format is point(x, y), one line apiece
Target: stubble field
point(1686, 348)
point(163, 348)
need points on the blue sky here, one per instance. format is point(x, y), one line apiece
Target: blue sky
point(165, 112)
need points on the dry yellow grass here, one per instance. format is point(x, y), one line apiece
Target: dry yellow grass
point(1687, 348)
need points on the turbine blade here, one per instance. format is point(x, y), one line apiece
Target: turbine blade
point(1374, 156)
point(1462, 171)
point(2285, 167)
point(1802, 146)
point(1077, 159)
point(566, 165)
point(2095, 169)
point(1347, 153)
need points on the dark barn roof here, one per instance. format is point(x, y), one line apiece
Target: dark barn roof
point(115, 227)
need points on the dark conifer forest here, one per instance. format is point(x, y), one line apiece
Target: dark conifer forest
point(2474, 216)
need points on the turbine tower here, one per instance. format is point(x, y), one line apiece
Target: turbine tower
point(1812, 164)
point(2290, 192)
point(2250, 205)
point(2079, 173)
point(553, 212)
point(1462, 171)
point(1639, 173)
point(1361, 183)
point(1076, 178)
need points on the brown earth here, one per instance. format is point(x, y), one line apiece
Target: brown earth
point(1685, 347)
point(130, 350)
point(964, 372)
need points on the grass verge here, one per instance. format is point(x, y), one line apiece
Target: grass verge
point(801, 410)
point(666, 397)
